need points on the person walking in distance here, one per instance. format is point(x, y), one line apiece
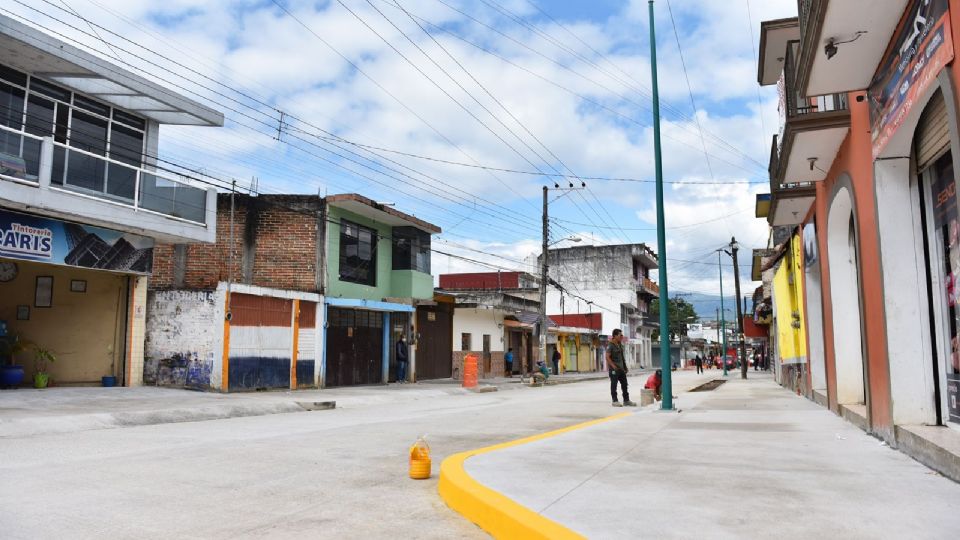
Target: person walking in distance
point(617, 368)
point(401, 360)
point(508, 363)
point(699, 362)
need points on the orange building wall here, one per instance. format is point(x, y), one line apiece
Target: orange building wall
point(854, 159)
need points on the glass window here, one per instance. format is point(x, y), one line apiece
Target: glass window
point(13, 76)
point(50, 90)
point(91, 105)
point(126, 146)
point(465, 341)
point(11, 116)
point(84, 123)
point(88, 133)
point(411, 249)
point(358, 252)
point(129, 119)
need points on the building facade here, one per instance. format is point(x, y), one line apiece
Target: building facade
point(863, 175)
point(494, 312)
point(613, 281)
point(298, 291)
point(83, 202)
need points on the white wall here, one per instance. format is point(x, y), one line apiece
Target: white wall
point(188, 324)
point(905, 293)
point(845, 296)
point(478, 322)
point(608, 298)
point(813, 289)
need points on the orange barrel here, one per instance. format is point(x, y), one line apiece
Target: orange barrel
point(470, 371)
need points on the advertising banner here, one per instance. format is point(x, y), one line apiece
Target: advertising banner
point(917, 53)
point(42, 239)
point(945, 220)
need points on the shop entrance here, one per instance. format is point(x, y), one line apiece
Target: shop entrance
point(942, 252)
point(79, 315)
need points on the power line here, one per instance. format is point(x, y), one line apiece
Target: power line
point(635, 85)
point(575, 72)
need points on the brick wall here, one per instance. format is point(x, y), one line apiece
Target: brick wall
point(286, 253)
point(274, 245)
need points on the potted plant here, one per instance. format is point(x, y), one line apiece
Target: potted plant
point(11, 374)
point(41, 357)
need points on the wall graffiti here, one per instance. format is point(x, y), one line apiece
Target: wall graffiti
point(181, 370)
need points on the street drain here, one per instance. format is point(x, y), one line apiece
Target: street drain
point(709, 385)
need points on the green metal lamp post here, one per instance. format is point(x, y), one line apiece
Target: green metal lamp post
point(666, 387)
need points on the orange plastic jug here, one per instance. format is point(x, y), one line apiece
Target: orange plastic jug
point(420, 465)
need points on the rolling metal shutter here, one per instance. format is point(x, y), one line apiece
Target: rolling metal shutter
point(933, 132)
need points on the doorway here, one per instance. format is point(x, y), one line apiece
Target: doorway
point(845, 293)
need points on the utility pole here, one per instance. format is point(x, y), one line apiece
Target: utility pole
point(544, 267)
point(734, 247)
point(666, 384)
point(723, 322)
point(543, 282)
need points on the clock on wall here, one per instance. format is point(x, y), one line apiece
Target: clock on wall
point(8, 271)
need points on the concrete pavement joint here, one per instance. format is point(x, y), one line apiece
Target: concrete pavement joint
point(495, 513)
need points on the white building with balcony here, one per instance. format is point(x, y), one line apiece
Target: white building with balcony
point(83, 200)
point(616, 281)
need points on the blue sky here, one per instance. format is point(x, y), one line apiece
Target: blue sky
point(522, 91)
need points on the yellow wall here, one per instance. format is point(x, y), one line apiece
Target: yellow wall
point(84, 330)
point(788, 294)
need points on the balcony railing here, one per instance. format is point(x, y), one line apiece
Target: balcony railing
point(796, 104)
point(651, 286)
point(32, 160)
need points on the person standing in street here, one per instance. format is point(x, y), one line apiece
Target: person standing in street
point(402, 360)
point(508, 363)
point(556, 361)
point(699, 362)
point(617, 368)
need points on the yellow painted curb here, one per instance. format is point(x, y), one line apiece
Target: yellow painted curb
point(495, 513)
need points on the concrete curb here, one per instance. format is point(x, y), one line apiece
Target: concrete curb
point(86, 422)
point(492, 511)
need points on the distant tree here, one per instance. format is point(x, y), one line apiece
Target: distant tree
point(680, 314)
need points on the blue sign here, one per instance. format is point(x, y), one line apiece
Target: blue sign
point(36, 238)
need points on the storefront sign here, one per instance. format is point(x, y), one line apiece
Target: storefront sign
point(36, 238)
point(919, 50)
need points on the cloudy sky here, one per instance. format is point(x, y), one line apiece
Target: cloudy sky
point(459, 111)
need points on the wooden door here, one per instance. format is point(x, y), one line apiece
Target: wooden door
point(434, 342)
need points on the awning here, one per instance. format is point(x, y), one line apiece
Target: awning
point(371, 305)
point(34, 51)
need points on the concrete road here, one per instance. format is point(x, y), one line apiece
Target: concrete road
point(323, 474)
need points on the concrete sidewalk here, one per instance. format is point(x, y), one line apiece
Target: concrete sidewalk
point(749, 459)
point(28, 412)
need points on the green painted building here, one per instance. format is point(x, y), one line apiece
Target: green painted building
point(377, 271)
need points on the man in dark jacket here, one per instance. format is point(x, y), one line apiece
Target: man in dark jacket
point(617, 368)
point(402, 360)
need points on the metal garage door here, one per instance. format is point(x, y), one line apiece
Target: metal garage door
point(354, 347)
